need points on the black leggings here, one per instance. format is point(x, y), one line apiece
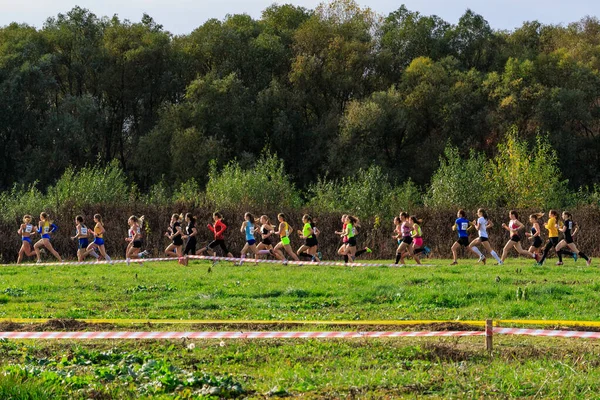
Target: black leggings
point(220, 243)
point(190, 247)
point(552, 243)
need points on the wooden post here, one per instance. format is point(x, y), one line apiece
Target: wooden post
point(489, 333)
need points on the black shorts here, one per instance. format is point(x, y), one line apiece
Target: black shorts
point(267, 241)
point(515, 238)
point(351, 242)
point(483, 239)
point(552, 242)
point(178, 241)
point(190, 247)
point(218, 242)
point(463, 241)
point(569, 240)
point(137, 244)
point(311, 242)
point(537, 242)
point(407, 239)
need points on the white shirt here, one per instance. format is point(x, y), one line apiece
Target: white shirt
point(482, 227)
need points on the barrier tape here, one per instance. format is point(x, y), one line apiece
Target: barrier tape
point(547, 333)
point(237, 322)
point(289, 335)
point(228, 335)
point(244, 261)
point(250, 261)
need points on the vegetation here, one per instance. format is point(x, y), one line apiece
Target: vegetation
point(438, 367)
point(332, 91)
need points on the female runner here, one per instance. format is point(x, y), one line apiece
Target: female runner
point(481, 225)
point(26, 230)
point(45, 228)
point(82, 235)
point(514, 226)
point(284, 234)
point(569, 230)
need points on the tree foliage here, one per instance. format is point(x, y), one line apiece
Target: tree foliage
point(332, 91)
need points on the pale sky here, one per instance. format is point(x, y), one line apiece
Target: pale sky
point(183, 16)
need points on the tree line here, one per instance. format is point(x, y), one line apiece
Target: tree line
point(332, 91)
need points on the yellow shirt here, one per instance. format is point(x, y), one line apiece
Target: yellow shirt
point(552, 228)
point(98, 231)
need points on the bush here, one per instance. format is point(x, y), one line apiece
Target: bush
point(521, 178)
point(515, 178)
point(458, 182)
point(367, 194)
point(189, 193)
point(264, 186)
point(92, 185)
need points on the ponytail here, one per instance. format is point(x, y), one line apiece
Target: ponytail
point(537, 215)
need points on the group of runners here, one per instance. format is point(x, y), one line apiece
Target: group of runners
point(565, 247)
point(262, 238)
point(266, 239)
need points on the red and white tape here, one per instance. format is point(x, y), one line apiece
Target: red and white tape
point(288, 335)
point(228, 335)
point(250, 261)
point(244, 261)
point(547, 333)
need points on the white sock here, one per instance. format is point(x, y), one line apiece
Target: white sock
point(94, 254)
point(493, 253)
point(264, 252)
point(476, 250)
point(108, 258)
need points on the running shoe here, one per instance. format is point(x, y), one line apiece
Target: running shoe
point(589, 262)
point(559, 263)
point(536, 256)
point(368, 250)
point(427, 251)
point(38, 262)
point(454, 263)
point(320, 255)
point(575, 257)
point(128, 262)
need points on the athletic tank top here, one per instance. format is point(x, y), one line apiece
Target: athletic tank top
point(405, 230)
point(482, 227)
point(512, 225)
point(569, 230)
point(350, 230)
point(98, 231)
point(28, 228)
point(286, 230)
point(190, 228)
point(307, 231)
point(249, 230)
point(417, 230)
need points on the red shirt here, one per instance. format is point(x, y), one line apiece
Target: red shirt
point(218, 229)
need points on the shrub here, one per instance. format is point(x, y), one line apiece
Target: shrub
point(91, 185)
point(264, 186)
point(458, 182)
point(521, 178)
point(369, 193)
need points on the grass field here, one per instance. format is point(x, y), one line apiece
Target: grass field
point(448, 368)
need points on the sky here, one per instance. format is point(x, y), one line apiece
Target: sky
point(183, 16)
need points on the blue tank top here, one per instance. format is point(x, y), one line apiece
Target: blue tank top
point(249, 230)
point(83, 241)
point(462, 224)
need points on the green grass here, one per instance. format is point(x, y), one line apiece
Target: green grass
point(273, 292)
point(439, 368)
